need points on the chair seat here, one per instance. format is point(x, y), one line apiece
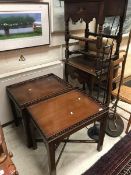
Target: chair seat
point(125, 93)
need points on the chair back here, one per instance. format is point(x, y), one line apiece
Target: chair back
point(114, 79)
point(117, 64)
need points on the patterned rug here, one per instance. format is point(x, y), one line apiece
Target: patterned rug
point(116, 162)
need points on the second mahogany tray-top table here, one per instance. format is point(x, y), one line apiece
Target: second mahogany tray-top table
point(24, 94)
point(59, 117)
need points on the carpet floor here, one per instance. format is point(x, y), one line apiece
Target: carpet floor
point(117, 161)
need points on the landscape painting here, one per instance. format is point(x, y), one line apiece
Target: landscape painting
point(20, 25)
point(24, 25)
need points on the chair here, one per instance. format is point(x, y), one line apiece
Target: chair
point(122, 92)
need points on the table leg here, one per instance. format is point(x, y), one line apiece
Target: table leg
point(27, 128)
point(102, 133)
point(15, 115)
point(32, 132)
point(91, 85)
point(51, 158)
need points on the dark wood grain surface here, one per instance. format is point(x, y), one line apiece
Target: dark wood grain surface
point(36, 89)
point(61, 112)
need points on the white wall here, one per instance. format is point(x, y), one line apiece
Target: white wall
point(38, 61)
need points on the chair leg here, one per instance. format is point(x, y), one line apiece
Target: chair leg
point(128, 125)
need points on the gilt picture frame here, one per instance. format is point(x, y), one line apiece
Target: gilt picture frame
point(24, 25)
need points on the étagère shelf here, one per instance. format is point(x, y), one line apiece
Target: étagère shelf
point(90, 63)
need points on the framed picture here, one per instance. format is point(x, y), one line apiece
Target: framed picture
point(24, 25)
point(57, 18)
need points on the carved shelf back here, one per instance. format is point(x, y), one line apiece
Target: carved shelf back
point(84, 10)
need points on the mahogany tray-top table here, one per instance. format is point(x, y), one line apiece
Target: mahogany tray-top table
point(24, 94)
point(59, 117)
